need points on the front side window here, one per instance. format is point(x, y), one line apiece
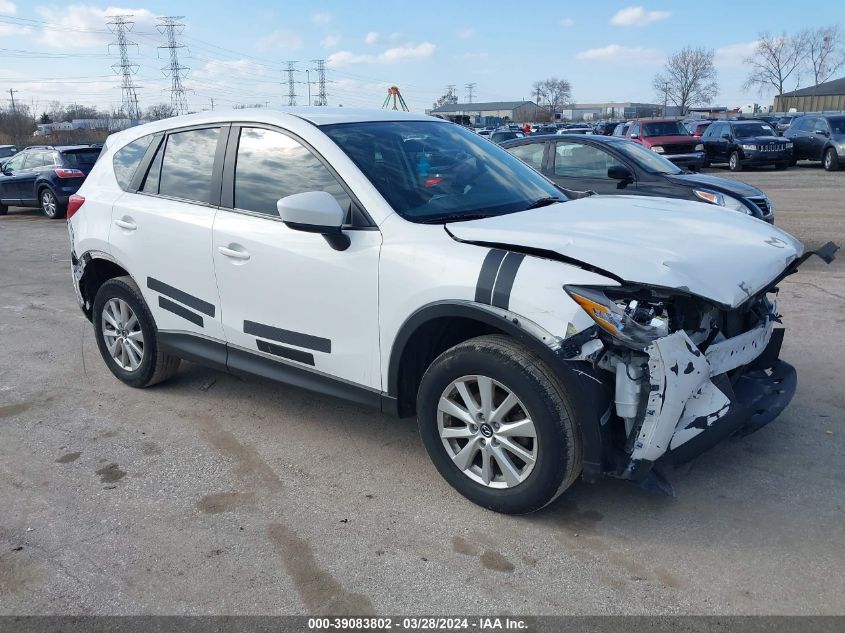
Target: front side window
point(272, 165)
point(187, 167)
point(127, 159)
point(582, 161)
point(16, 163)
point(439, 172)
point(531, 153)
point(820, 126)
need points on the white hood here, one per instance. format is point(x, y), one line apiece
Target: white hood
point(716, 253)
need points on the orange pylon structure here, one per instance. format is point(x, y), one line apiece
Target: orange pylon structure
point(395, 96)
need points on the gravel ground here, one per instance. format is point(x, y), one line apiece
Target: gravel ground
point(210, 494)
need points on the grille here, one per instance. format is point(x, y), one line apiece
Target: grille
point(771, 148)
point(762, 204)
point(680, 148)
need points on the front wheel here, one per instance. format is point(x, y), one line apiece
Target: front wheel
point(831, 160)
point(734, 162)
point(3, 209)
point(50, 205)
point(499, 426)
point(127, 336)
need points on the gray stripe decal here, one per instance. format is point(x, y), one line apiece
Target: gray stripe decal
point(289, 337)
point(175, 308)
point(181, 296)
point(286, 352)
point(505, 279)
point(487, 276)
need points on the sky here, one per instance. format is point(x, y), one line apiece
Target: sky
point(237, 51)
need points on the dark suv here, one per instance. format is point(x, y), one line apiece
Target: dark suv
point(741, 143)
point(45, 176)
point(818, 137)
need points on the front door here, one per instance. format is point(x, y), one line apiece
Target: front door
point(162, 233)
point(10, 182)
point(287, 296)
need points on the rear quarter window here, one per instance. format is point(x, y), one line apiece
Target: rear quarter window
point(127, 159)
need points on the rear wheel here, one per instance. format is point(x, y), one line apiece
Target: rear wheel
point(831, 160)
point(50, 204)
point(734, 162)
point(127, 335)
point(3, 209)
point(498, 425)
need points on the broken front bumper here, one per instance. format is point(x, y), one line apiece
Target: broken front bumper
point(697, 399)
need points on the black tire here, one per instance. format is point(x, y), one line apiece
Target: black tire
point(50, 205)
point(830, 160)
point(3, 209)
point(155, 365)
point(558, 448)
point(735, 162)
point(706, 161)
point(781, 166)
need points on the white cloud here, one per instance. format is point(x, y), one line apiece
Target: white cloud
point(330, 41)
point(372, 38)
point(83, 26)
point(472, 56)
point(8, 30)
point(7, 7)
point(465, 33)
point(621, 54)
point(217, 68)
point(321, 17)
point(567, 22)
point(279, 39)
point(734, 54)
point(405, 53)
point(637, 16)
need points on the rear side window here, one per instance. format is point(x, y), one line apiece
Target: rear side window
point(77, 158)
point(127, 159)
point(272, 165)
point(187, 168)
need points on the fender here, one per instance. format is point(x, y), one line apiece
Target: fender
point(588, 389)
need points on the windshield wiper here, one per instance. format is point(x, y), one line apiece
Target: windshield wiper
point(544, 202)
point(455, 217)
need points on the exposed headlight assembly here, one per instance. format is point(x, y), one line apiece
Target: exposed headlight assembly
point(633, 323)
point(722, 200)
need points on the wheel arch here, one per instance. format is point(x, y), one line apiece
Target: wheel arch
point(436, 327)
point(92, 270)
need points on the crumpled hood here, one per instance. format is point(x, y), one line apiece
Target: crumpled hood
point(712, 252)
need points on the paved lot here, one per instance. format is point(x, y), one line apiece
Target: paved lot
point(209, 494)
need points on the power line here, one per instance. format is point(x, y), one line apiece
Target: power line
point(120, 25)
point(470, 88)
point(170, 27)
point(322, 97)
point(291, 88)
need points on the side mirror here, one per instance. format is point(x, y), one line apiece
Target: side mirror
point(822, 132)
point(315, 212)
point(635, 136)
point(727, 136)
point(620, 172)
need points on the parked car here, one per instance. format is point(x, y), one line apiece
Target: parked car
point(784, 123)
point(500, 136)
point(696, 128)
point(485, 131)
point(6, 151)
point(537, 339)
point(605, 128)
point(818, 137)
point(621, 129)
point(669, 138)
point(609, 165)
point(546, 129)
point(45, 176)
point(575, 130)
point(746, 143)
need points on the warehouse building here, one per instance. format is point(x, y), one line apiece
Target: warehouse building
point(612, 110)
point(827, 96)
point(490, 113)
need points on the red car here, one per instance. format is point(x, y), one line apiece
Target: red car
point(669, 138)
point(696, 128)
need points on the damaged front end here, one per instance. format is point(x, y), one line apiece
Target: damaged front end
point(688, 372)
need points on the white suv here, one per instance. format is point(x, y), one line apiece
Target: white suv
point(405, 263)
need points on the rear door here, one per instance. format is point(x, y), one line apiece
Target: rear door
point(583, 167)
point(162, 232)
point(25, 178)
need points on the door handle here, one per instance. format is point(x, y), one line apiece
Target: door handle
point(234, 254)
point(127, 224)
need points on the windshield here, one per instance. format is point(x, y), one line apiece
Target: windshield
point(648, 160)
point(430, 171)
point(837, 124)
point(665, 128)
point(753, 129)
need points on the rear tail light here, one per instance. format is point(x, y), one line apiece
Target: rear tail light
point(74, 204)
point(61, 172)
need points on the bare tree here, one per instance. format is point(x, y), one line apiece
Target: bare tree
point(159, 111)
point(688, 78)
point(775, 60)
point(825, 47)
point(557, 92)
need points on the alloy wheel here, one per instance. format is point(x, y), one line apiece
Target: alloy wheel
point(122, 334)
point(48, 203)
point(487, 432)
point(828, 160)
